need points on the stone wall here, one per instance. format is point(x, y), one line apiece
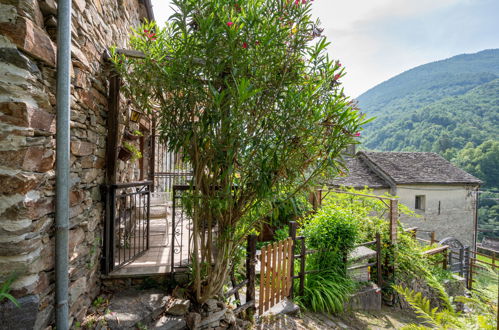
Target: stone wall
point(449, 210)
point(27, 150)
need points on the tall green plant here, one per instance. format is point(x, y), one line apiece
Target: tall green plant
point(254, 102)
point(5, 289)
point(332, 233)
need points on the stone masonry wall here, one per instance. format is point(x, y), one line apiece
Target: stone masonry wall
point(27, 150)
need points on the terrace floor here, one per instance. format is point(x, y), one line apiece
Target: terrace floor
point(157, 259)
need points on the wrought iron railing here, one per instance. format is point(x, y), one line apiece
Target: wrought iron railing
point(182, 245)
point(126, 231)
point(169, 170)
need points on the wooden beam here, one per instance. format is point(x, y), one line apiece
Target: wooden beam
point(112, 128)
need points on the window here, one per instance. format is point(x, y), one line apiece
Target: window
point(420, 202)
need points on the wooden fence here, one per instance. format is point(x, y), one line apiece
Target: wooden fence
point(443, 250)
point(480, 264)
point(249, 282)
point(275, 273)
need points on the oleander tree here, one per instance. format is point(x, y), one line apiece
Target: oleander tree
point(246, 91)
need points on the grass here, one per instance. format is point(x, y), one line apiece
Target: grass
point(485, 259)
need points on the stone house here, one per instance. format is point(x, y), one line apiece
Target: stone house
point(443, 195)
point(27, 149)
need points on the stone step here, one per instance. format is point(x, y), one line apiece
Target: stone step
point(367, 298)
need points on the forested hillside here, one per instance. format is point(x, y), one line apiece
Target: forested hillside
point(450, 107)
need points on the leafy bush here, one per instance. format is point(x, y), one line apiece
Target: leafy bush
point(332, 233)
point(405, 257)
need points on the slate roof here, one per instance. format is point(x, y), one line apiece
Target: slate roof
point(418, 167)
point(359, 175)
point(379, 169)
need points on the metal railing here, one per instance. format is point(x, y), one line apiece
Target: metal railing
point(126, 232)
point(169, 170)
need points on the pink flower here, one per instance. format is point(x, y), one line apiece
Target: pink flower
point(245, 45)
point(146, 31)
point(230, 23)
point(257, 43)
point(151, 36)
point(337, 76)
point(357, 134)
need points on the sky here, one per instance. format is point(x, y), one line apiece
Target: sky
point(378, 39)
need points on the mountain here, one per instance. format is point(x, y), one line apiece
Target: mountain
point(450, 107)
point(441, 106)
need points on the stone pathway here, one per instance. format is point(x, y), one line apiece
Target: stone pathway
point(138, 309)
point(386, 318)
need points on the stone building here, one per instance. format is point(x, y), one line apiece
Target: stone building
point(443, 195)
point(27, 149)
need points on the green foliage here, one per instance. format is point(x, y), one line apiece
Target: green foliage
point(481, 314)
point(281, 234)
point(406, 257)
point(445, 319)
point(333, 234)
point(285, 209)
point(326, 291)
point(488, 214)
point(5, 289)
point(136, 154)
point(252, 102)
point(481, 161)
point(438, 126)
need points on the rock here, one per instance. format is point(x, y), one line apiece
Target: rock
point(211, 305)
point(213, 319)
point(285, 306)
point(178, 307)
point(242, 324)
point(23, 317)
point(48, 7)
point(80, 148)
point(193, 320)
point(76, 289)
point(30, 38)
point(367, 298)
point(131, 306)
point(35, 159)
point(230, 317)
point(19, 183)
point(169, 323)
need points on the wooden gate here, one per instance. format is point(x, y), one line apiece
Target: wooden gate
point(275, 273)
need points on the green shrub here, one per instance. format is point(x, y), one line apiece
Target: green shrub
point(326, 291)
point(332, 233)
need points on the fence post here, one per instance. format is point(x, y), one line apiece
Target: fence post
point(292, 234)
point(432, 237)
point(444, 262)
point(302, 267)
point(378, 259)
point(470, 280)
point(393, 220)
point(250, 274)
